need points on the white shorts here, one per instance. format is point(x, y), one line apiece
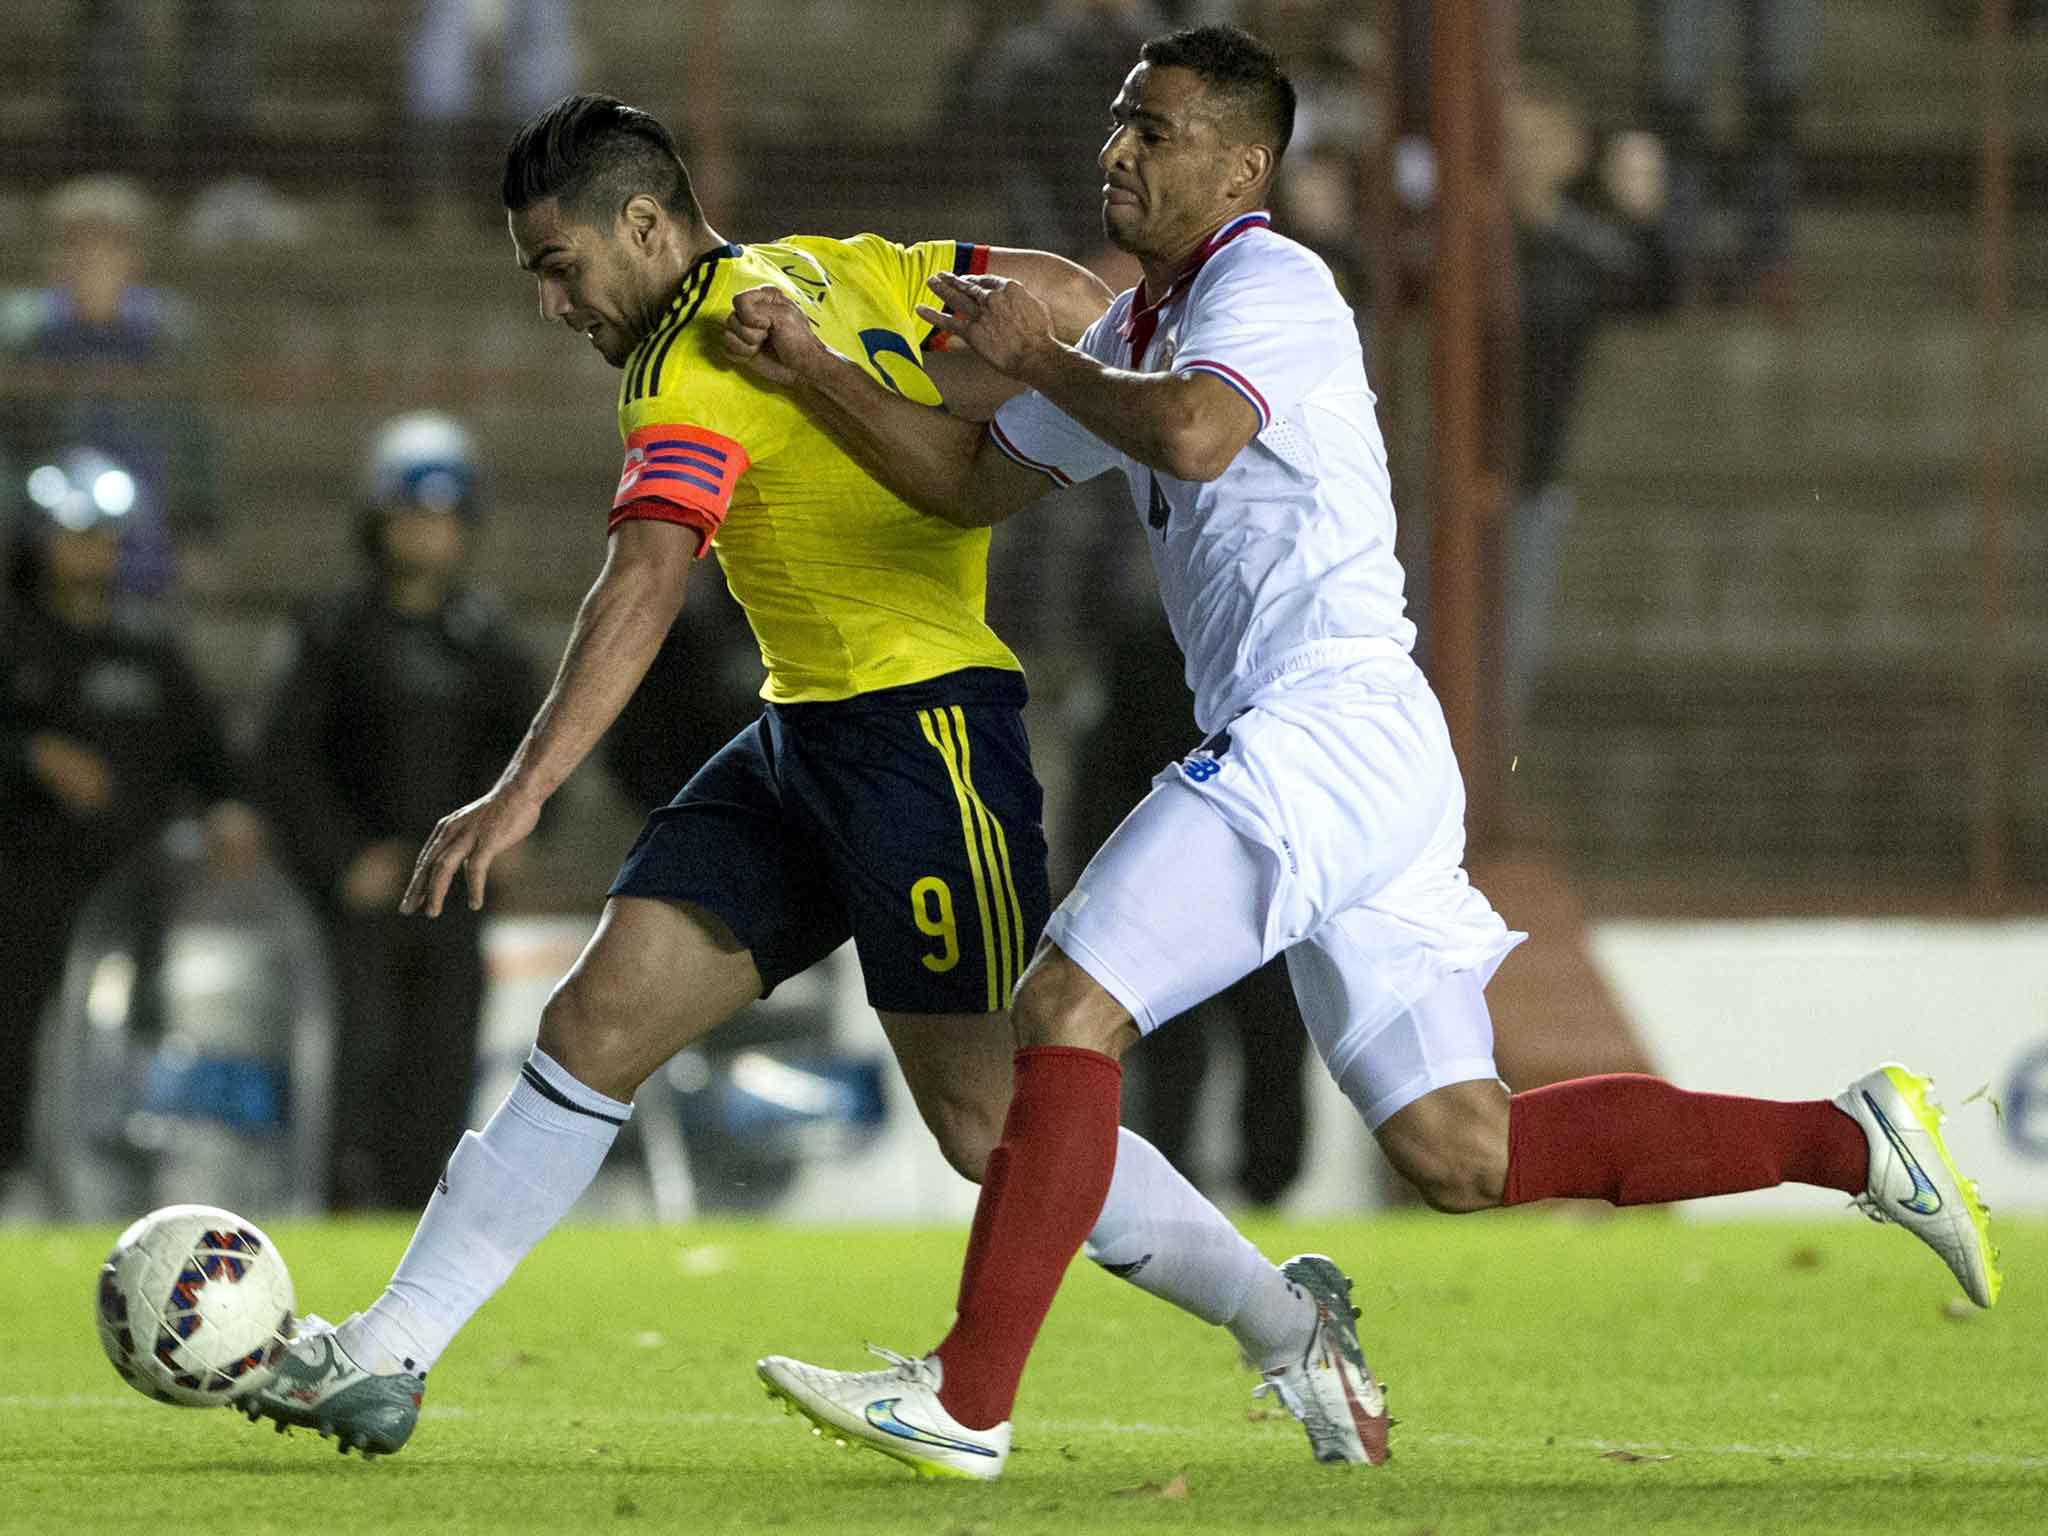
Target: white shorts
point(1326, 822)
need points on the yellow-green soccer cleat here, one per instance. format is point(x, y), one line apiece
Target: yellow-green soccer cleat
point(1913, 1180)
point(896, 1412)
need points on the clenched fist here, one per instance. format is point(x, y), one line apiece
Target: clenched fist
point(769, 334)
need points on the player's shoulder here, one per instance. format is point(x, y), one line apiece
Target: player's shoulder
point(863, 259)
point(1263, 255)
point(682, 353)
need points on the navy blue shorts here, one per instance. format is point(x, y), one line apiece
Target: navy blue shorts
point(907, 819)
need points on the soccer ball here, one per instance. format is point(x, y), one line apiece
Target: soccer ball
point(195, 1306)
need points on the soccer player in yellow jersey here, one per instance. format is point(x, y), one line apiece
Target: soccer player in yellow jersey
point(886, 793)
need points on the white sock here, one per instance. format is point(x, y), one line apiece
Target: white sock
point(503, 1191)
point(1163, 1235)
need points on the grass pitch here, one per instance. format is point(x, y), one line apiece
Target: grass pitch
point(1547, 1375)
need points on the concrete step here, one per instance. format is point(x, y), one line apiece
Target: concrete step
point(1780, 769)
point(1885, 387)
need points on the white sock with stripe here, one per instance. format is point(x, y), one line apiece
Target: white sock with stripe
point(1163, 1235)
point(504, 1190)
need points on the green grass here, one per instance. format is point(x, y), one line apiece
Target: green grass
point(1797, 1378)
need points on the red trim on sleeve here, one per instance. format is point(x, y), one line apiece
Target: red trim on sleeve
point(1057, 475)
point(977, 261)
point(1236, 381)
point(648, 509)
point(679, 474)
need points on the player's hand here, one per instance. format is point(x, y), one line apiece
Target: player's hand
point(769, 334)
point(468, 840)
point(78, 776)
point(1005, 322)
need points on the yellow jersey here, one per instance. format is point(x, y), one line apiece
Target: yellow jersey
point(848, 587)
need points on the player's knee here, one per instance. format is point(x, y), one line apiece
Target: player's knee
point(592, 1043)
point(966, 1134)
point(1058, 1003)
point(1467, 1174)
point(1453, 1147)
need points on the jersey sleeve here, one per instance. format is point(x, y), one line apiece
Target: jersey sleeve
point(1263, 325)
point(1039, 435)
point(909, 267)
point(686, 448)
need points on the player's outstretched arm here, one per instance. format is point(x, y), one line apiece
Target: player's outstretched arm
point(1190, 425)
point(1076, 299)
point(1074, 296)
point(935, 461)
point(618, 629)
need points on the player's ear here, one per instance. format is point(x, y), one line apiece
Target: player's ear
point(1253, 167)
point(642, 217)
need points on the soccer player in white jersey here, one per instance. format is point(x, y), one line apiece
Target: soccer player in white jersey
point(1323, 815)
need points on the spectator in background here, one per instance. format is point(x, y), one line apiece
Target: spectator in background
point(1586, 240)
point(402, 697)
point(1140, 725)
point(1778, 42)
point(535, 41)
point(112, 356)
point(105, 736)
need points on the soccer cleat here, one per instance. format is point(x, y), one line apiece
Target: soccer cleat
point(1330, 1388)
point(896, 1412)
point(1913, 1180)
point(317, 1386)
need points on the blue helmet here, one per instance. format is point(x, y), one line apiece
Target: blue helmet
point(422, 460)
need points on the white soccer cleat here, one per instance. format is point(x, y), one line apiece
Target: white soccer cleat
point(1329, 1388)
point(1913, 1180)
point(896, 1412)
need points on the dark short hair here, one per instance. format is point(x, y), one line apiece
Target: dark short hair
point(1238, 68)
point(593, 154)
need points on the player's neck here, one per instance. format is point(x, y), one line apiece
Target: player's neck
point(1163, 271)
point(699, 242)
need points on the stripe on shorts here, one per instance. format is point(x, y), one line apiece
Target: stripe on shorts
point(938, 730)
point(996, 848)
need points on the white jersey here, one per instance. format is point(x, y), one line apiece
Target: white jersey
point(1285, 562)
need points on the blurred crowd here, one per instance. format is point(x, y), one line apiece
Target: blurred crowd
point(399, 690)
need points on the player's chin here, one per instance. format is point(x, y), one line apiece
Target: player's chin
point(1122, 225)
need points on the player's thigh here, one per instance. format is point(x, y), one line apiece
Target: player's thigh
point(654, 977)
point(928, 820)
point(736, 845)
point(1171, 910)
point(957, 1066)
point(1353, 982)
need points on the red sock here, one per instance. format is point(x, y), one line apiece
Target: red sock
point(1637, 1140)
point(1041, 1192)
